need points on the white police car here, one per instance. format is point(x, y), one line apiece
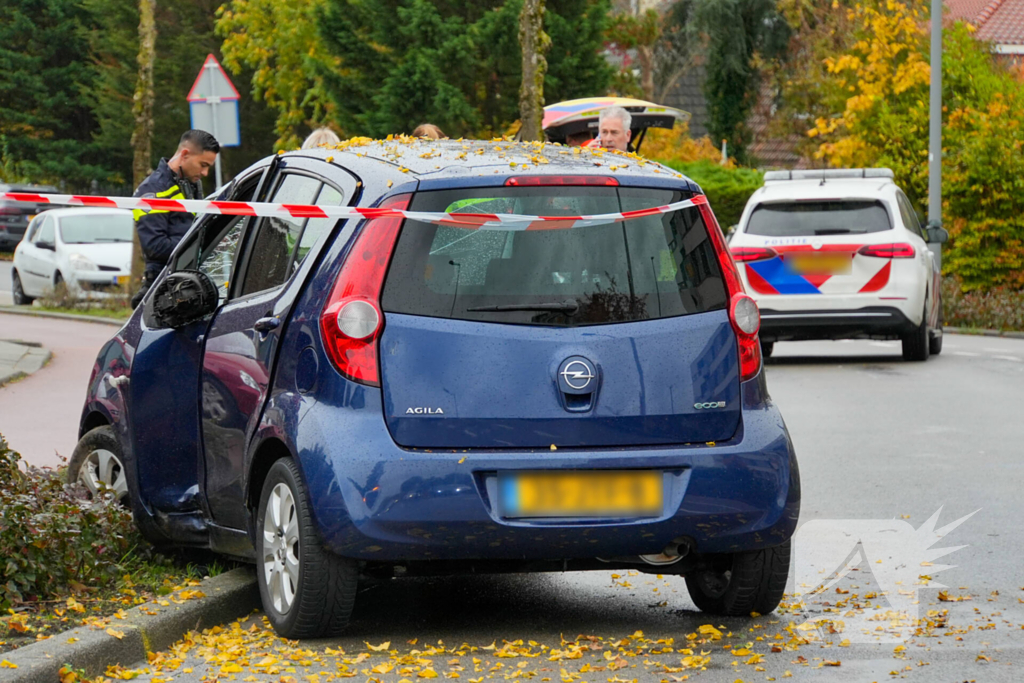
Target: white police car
point(840, 254)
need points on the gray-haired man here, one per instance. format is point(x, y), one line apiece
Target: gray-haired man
point(613, 128)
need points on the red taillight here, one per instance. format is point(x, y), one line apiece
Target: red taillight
point(351, 321)
point(746, 254)
point(743, 312)
point(548, 180)
point(901, 250)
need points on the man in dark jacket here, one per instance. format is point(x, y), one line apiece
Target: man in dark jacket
point(179, 177)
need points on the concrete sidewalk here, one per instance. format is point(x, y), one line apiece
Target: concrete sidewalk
point(20, 359)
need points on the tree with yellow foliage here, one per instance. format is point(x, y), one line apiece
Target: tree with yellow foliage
point(879, 94)
point(279, 41)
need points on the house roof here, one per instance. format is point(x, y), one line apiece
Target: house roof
point(966, 10)
point(997, 21)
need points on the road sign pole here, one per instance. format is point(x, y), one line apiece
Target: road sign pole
point(214, 101)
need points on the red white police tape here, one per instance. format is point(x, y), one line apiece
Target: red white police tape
point(480, 221)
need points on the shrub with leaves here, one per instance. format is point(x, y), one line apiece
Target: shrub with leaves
point(728, 189)
point(675, 146)
point(999, 308)
point(52, 537)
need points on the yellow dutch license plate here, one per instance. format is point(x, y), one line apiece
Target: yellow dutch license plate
point(582, 494)
point(832, 264)
point(121, 279)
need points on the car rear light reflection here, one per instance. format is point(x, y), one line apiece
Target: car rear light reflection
point(746, 319)
point(743, 312)
point(548, 180)
point(358, 319)
point(747, 254)
point(901, 250)
point(351, 321)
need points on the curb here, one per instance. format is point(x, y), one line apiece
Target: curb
point(983, 333)
point(35, 359)
point(17, 310)
point(228, 596)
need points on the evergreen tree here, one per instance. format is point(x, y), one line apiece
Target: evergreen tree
point(455, 63)
point(185, 36)
point(46, 125)
point(737, 31)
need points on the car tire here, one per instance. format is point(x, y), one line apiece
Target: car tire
point(738, 584)
point(98, 462)
point(915, 344)
point(18, 292)
point(767, 348)
point(935, 342)
point(307, 592)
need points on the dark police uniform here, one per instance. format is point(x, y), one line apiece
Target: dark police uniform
point(160, 231)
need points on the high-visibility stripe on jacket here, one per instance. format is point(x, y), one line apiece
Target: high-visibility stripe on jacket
point(159, 230)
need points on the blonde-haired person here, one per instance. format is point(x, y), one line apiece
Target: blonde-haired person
point(429, 130)
point(321, 136)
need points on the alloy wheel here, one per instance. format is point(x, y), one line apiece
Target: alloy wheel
point(281, 548)
point(102, 469)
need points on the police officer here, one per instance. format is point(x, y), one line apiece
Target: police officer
point(179, 177)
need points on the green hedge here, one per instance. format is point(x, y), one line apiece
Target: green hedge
point(728, 189)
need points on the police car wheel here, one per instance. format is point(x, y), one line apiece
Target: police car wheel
point(307, 592)
point(915, 344)
point(935, 343)
point(738, 584)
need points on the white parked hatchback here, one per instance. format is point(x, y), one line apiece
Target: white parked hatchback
point(90, 250)
point(840, 254)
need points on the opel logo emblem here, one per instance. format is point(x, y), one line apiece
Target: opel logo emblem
point(577, 375)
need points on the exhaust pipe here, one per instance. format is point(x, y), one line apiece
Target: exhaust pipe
point(673, 552)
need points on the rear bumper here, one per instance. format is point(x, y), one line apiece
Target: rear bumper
point(375, 501)
point(872, 322)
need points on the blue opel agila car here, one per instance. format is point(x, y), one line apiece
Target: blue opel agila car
point(342, 399)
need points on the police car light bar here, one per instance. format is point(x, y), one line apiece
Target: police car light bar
point(828, 174)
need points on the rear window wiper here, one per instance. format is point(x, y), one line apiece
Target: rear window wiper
point(570, 306)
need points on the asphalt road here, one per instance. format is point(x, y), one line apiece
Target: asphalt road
point(880, 442)
point(39, 414)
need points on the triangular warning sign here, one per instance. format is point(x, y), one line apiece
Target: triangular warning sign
point(212, 81)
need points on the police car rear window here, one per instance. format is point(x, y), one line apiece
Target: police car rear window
point(790, 219)
point(653, 267)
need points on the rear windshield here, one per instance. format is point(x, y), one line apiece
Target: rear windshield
point(653, 267)
point(818, 218)
point(89, 229)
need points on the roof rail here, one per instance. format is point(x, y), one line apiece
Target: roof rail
point(828, 174)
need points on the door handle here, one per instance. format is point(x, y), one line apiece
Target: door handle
point(264, 325)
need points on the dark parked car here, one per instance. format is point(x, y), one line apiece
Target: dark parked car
point(15, 216)
point(335, 400)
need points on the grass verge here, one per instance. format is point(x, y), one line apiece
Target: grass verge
point(63, 300)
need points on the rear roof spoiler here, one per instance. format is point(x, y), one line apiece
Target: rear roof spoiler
point(828, 174)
